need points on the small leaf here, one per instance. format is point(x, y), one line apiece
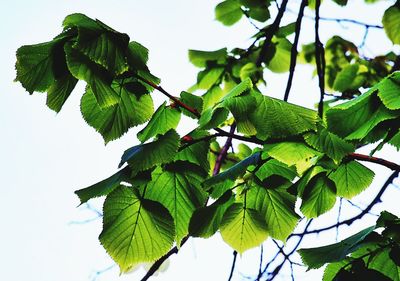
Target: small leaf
point(345, 78)
point(135, 230)
point(280, 62)
point(351, 178)
point(164, 119)
point(193, 101)
point(145, 156)
point(243, 228)
point(274, 167)
point(206, 221)
point(228, 12)
point(317, 257)
point(200, 58)
point(103, 187)
point(389, 90)
point(319, 197)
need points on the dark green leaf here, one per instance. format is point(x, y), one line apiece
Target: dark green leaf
point(391, 23)
point(200, 58)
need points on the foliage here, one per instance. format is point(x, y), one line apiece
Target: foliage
point(163, 193)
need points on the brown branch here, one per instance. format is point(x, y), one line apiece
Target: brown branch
point(376, 160)
point(319, 60)
point(375, 201)
point(224, 151)
point(270, 31)
point(293, 52)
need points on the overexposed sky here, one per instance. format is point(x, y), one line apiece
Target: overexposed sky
point(46, 156)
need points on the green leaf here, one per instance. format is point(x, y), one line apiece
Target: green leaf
point(228, 12)
point(286, 30)
point(135, 230)
point(317, 257)
point(243, 228)
point(200, 58)
point(103, 187)
point(345, 78)
point(391, 23)
point(196, 153)
point(211, 97)
point(235, 171)
point(59, 92)
point(351, 178)
point(277, 206)
point(274, 167)
point(193, 101)
point(164, 119)
point(260, 13)
point(145, 156)
point(206, 221)
point(209, 77)
point(178, 188)
point(137, 56)
point(395, 140)
point(241, 107)
point(333, 269)
point(280, 62)
point(293, 153)
point(134, 106)
point(318, 197)
point(384, 264)
point(389, 90)
point(329, 143)
point(278, 119)
point(97, 77)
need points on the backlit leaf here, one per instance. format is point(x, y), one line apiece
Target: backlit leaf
point(228, 12)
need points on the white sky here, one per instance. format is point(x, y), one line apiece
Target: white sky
point(45, 157)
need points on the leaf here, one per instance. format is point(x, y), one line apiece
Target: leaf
point(206, 221)
point(200, 58)
point(211, 97)
point(103, 187)
point(317, 257)
point(234, 172)
point(135, 230)
point(97, 77)
point(243, 228)
point(129, 111)
point(277, 206)
point(228, 12)
point(196, 153)
point(293, 153)
point(241, 107)
point(280, 62)
point(351, 178)
point(391, 23)
point(389, 90)
point(345, 78)
point(274, 167)
point(318, 197)
point(330, 144)
point(164, 119)
point(332, 269)
point(59, 92)
point(193, 101)
point(278, 119)
point(260, 13)
point(145, 156)
point(395, 140)
point(177, 188)
point(384, 264)
point(209, 77)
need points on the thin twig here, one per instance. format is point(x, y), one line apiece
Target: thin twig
point(338, 217)
point(319, 60)
point(224, 151)
point(233, 265)
point(270, 31)
point(293, 52)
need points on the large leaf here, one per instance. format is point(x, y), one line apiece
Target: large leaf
point(134, 106)
point(145, 156)
point(228, 12)
point(278, 119)
point(178, 188)
point(293, 153)
point(273, 167)
point(344, 79)
point(317, 257)
point(97, 77)
point(329, 143)
point(280, 62)
point(243, 228)
point(351, 178)
point(103, 187)
point(206, 221)
point(385, 264)
point(135, 230)
point(59, 91)
point(389, 90)
point(277, 206)
point(164, 119)
point(391, 23)
point(319, 196)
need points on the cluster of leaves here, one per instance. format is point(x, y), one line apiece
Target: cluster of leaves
point(367, 255)
point(168, 188)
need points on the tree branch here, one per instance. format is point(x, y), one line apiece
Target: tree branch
point(319, 60)
point(233, 265)
point(270, 31)
point(376, 160)
point(293, 52)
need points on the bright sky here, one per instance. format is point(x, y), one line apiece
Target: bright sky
point(45, 157)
